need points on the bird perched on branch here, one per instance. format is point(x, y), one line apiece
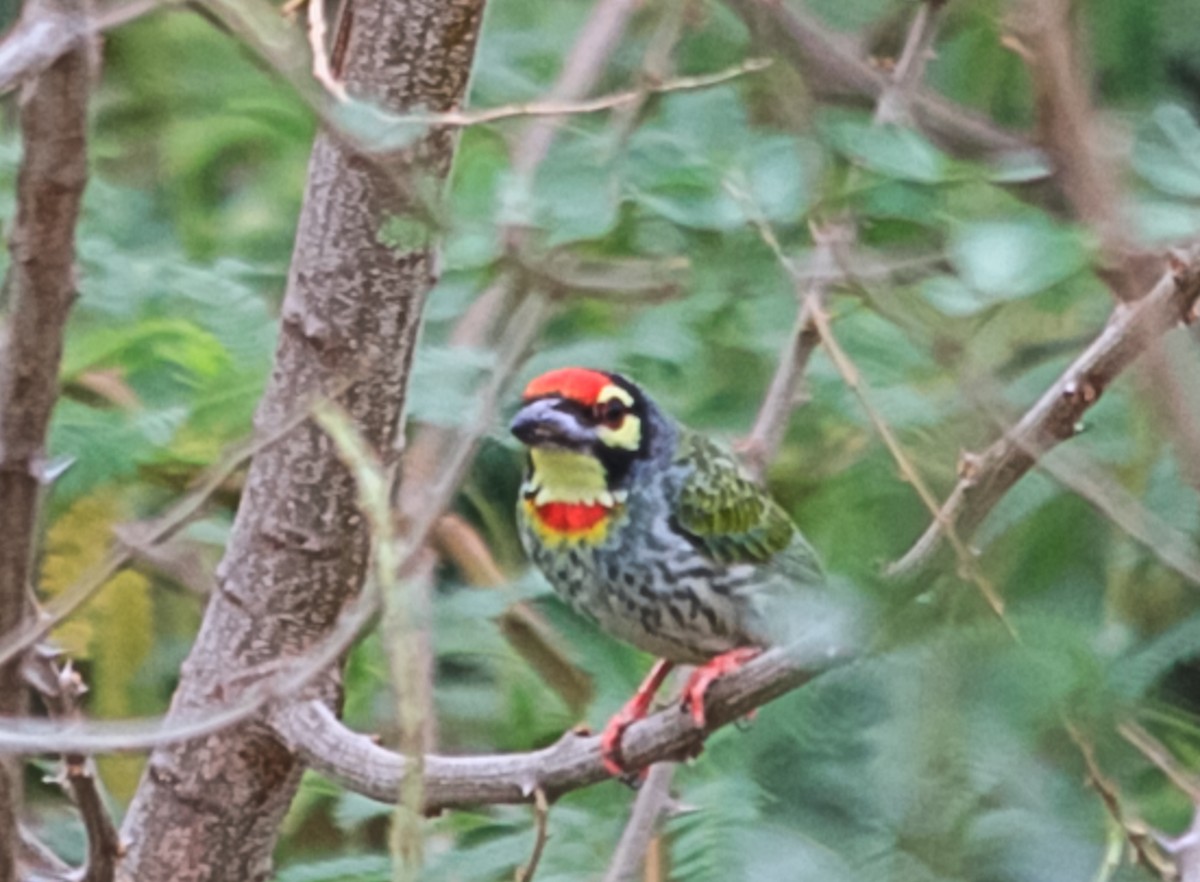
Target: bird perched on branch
point(652, 531)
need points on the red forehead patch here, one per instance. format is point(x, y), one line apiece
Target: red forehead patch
point(578, 384)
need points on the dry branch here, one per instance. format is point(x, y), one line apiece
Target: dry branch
point(35, 860)
point(895, 104)
point(41, 288)
point(759, 447)
point(1049, 38)
point(541, 816)
point(1066, 125)
point(62, 689)
point(654, 796)
point(598, 39)
point(986, 477)
point(359, 764)
point(833, 71)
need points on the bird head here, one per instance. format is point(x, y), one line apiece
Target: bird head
point(577, 413)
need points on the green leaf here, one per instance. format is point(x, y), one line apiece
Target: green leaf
point(1007, 260)
point(576, 195)
point(888, 150)
point(444, 384)
point(781, 172)
point(1167, 152)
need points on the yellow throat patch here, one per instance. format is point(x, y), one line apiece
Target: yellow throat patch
point(567, 498)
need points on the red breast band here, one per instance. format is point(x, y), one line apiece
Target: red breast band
point(571, 517)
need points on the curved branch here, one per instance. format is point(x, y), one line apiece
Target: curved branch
point(1131, 330)
point(312, 731)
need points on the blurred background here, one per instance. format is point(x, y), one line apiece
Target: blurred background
point(970, 286)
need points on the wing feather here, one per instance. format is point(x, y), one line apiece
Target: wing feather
point(725, 514)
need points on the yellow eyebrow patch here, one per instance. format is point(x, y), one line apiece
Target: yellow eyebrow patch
point(614, 392)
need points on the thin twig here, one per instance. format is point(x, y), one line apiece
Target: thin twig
point(895, 104)
point(656, 66)
point(373, 484)
point(653, 797)
point(986, 477)
point(854, 380)
point(598, 39)
point(61, 689)
point(465, 118)
point(760, 446)
point(1157, 752)
point(1047, 42)
point(425, 460)
point(1173, 548)
point(1137, 834)
point(833, 71)
point(541, 815)
point(320, 56)
point(36, 861)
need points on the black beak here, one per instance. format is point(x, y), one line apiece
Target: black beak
point(542, 423)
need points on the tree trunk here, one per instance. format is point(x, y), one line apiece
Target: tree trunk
point(210, 809)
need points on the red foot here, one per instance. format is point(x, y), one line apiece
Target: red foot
point(703, 677)
point(634, 710)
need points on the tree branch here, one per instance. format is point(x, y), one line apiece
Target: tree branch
point(541, 816)
point(1047, 42)
point(356, 762)
point(36, 861)
point(61, 689)
point(985, 478)
point(759, 447)
point(41, 285)
point(832, 71)
point(652, 800)
point(895, 104)
point(1050, 44)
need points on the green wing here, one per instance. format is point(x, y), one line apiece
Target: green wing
point(728, 516)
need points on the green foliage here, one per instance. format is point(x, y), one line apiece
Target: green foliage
point(940, 756)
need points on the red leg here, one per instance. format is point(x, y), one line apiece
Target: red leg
point(634, 710)
point(704, 676)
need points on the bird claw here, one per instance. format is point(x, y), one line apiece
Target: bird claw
point(634, 710)
point(705, 675)
point(610, 739)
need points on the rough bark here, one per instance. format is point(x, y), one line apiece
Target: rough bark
point(41, 289)
point(210, 809)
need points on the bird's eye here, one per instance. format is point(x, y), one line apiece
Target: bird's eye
point(611, 413)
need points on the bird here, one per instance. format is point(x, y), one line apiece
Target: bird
point(655, 533)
